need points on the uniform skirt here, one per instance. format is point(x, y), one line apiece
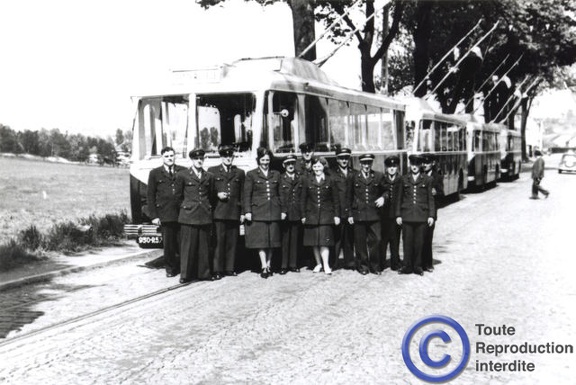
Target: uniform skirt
point(263, 235)
point(319, 235)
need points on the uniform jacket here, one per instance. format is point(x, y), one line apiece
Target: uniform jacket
point(197, 197)
point(163, 201)
point(415, 201)
point(231, 182)
point(290, 194)
point(301, 167)
point(262, 195)
point(538, 169)
point(437, 183)
point(391, 186)
point(362, 193)
point(320, 201)
point(342, 181)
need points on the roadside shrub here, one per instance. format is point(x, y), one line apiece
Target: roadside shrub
point(31, 238)
point(13, 254)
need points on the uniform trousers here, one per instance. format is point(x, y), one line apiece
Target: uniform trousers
point(170, 239)
point(227, 233)
point(291, 239)
point(427, 259)
point(194, 251)
point(344, 241)
point(367, 244)
point(413, 238)
point(390, 236)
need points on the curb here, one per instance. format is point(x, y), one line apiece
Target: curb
point(76, 269)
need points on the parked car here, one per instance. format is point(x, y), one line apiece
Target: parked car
point(567, 163)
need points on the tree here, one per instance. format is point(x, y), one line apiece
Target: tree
point(8, 140)
point(30, 142)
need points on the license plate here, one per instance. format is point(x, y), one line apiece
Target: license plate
point(151, 241)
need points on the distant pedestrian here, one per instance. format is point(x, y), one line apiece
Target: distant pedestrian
point(366, 193)
point(262, 210)
point(430, 169)
point(415, 211)
point(163, 207)
point(196, 189)
point(390, 229)
point(229, 184)
point(320, 212)
point(537, 175)
point(290, 194)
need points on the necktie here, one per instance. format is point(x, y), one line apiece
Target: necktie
point(170, 171)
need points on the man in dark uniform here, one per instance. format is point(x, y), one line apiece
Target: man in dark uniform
point(229, 183)
point(291, 227)
point(430, 169)
point(366, 197)
point(304, 165)
point(345, 233)
point(163, 207)
point(415, 211)
point(390, 229)
point(196, 190)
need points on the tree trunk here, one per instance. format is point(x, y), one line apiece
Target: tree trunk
point(525, 111)
point(303, 24)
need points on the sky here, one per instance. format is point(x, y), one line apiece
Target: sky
point(73, 65)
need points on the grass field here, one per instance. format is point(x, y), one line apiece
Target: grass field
point(40, 193)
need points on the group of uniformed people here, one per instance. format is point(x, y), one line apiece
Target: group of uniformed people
point(347, 218)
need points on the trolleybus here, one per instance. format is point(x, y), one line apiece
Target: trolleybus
point(483, 152)
point(442, 135)
point(510, 153)
point(275, 102)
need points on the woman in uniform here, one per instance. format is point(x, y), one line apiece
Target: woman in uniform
point(320, 212)
point(262, 209)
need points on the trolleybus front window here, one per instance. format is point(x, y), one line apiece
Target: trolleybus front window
point(225, 119)
point(161, 122)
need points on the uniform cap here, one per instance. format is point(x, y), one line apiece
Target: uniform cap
point(415, 159)
point(289, 159)
point(428, 158)
point(225, 150)
point(197, 153)
point(343, 152)
point(306, 147)
point(392, 161)
point(367, 158)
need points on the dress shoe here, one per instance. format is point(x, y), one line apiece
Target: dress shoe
point(294, 269)
point(328, 271)
point(317, 269)
point(216, 277)
point(404, 271)
point(184, 280)
point(429, 269)
point(419, 272)
point(363, 272)
point(534, 198)
point(283, 271)
point(264, 273)
point(170, 274)
point(230, 273)
point(547, 195)
point(395, 268)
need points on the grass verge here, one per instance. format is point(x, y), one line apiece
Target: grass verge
point(67, 238)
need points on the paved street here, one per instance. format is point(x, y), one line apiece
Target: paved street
point(500, 259)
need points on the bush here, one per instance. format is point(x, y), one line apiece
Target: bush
point(13, 255)
point(66, 237)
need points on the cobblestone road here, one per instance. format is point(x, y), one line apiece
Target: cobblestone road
point(501, 259)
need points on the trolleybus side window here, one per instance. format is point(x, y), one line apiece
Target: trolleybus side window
point(425, 139)
point(316, 128)
point(338, 120)
point(225, 118)
point(161, 122)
